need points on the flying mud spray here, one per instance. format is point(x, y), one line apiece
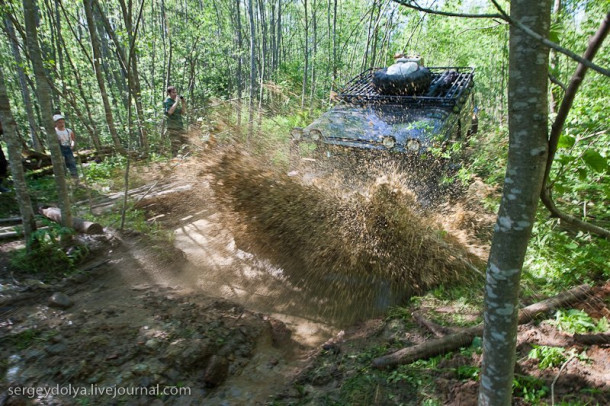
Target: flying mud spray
point(340, 237)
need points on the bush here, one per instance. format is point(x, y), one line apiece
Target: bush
point(47, 255)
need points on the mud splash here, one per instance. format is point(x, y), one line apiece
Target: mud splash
point(367, 250)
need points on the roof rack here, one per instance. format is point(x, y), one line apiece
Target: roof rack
point(360, 90)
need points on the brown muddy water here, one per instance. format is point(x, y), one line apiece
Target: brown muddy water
point(315, 256)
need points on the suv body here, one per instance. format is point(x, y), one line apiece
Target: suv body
point(365, 119)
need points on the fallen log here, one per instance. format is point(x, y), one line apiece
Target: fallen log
point(80, 225)
point(437, 329)
point(39, 165)
point(10, 220)
point(9, 233)
point(464, 337)
point(592, 339)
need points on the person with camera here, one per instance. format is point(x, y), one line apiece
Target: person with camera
point(173, 107)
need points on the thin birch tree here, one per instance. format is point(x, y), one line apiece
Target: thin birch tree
point(43, 93)
point(97, 67)
point(11, 138)
point(527, 155)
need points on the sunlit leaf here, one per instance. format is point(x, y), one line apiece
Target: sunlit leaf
point(566, 141)
point(560, 188)
point(582, 174)
point(595, 161)
point(565, 159)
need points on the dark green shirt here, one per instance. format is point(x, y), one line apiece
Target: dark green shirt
point(174, 120)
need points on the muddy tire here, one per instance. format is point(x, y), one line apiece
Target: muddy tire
point(416, 83)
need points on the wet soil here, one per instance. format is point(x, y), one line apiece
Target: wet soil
point(201, 312)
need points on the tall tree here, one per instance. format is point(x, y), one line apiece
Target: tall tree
point(43, 93)
point(528, 148)
point(97, 67)
point(132, 66)
point(9, 128)
point(314, 51)
point(25, 93)
point(252, 68)
point(240, 58)
point(305, 53)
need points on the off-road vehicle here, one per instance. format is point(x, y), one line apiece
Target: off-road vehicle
point(405, 124)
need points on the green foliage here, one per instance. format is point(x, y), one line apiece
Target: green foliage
point(23, 339)
point(549, 356)
point(558, 259)
point(530, 388)
point(489, 161)
point(578, 321)
point(107, 169)
point(43, 190)
point(399, 312)
point(467, 372)
point(48, 256)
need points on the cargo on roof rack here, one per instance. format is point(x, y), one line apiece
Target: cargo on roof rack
point(448, 85)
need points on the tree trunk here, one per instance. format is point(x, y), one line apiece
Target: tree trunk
point(252, 69)
point(365, 57)
point(263, 62)
point(240, 80)
point(132, 71)
point(89, 123)
point(305, 54)
point(278, 56)
point(167, 43)
point(27, 101)
point(273, 41)
point(528, 122)
point(554, 57)
point(314, 50)
point(100, 79)
point(58, 41)
point(335, 44)
point(14, 156)
point(46, 109)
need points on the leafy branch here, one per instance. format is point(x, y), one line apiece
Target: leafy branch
point(557, 127)
point(502, 15)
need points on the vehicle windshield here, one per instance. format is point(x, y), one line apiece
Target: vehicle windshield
point(388, 118)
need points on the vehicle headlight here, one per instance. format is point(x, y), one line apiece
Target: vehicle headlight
point(296, 133)
point(413, 145)
point(315, 135)
point(388, 142)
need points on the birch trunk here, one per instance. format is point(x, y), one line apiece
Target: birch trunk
point(528, 149)
point(43, 93)
point(95, 47)
point(305, 54)
point(252, 68)
point(240, 81)
point(14, 156)
point(27, 100)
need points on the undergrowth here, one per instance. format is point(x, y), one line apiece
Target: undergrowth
point(50, 255)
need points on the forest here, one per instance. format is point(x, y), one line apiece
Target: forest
point(230, 264)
